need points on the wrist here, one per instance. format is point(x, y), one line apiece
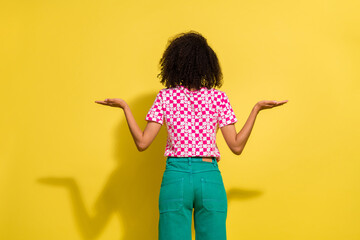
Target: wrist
point(257, 108)
point(125, 107)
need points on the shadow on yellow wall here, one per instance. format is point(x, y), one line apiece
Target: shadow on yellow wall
point(132, 188)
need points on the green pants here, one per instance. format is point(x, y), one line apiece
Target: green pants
point(189, 183)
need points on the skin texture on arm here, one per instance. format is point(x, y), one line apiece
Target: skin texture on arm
point(237, 141)
point(142, 139)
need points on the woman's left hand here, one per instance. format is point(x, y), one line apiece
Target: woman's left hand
point(114, 102)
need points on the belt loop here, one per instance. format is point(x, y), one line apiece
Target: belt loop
point(189, 160)
point(214, 162)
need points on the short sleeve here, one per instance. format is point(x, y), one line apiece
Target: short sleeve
point(226, 114)
point(156, 111)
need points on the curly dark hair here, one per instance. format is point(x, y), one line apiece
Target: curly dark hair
point(189, 61)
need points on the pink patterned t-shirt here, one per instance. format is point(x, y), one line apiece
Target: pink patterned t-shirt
point(192, 119)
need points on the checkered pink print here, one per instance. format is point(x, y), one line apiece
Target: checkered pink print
point(192, 119)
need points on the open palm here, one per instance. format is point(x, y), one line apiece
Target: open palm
point(270, 104)
point(114, 102)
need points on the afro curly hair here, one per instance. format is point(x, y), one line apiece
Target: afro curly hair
point(190, 62)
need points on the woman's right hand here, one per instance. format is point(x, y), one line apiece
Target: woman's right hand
point(269, 104)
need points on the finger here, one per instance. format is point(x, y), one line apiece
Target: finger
point(271, 103)
point(282, 102)
point(101, 102)
point(276, 103)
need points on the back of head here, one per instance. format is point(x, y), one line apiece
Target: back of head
point(189, 61)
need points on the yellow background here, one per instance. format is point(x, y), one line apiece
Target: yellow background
point(70, 169)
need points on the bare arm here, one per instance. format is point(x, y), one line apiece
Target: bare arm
point(237, 141)
point(142, 139)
